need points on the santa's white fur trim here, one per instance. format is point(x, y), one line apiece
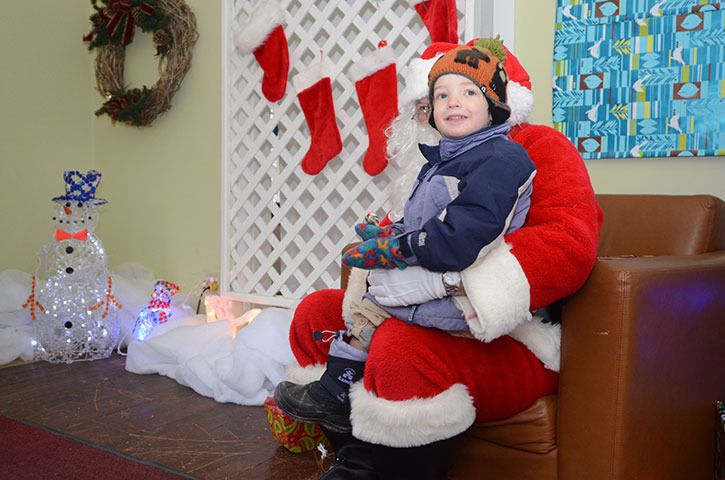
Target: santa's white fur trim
point(263, 20)
point(543, 339)
point(410, 423)
point(521, 101)
point(371, 63)
point(416, 80)
point(313, 74)
point(499, 292)
point(304, 375)
point(357, 285)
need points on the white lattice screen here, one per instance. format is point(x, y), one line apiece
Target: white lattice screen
point(283, 229)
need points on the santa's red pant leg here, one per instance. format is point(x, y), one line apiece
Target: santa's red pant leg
point(321, 312)
point(422, 385)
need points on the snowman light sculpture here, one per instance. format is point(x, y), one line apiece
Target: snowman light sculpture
point(157, 311)
point(74, 313)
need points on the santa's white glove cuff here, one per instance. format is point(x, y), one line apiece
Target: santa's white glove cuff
point(412, 286)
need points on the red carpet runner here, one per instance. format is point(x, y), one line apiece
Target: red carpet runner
point(29, 452)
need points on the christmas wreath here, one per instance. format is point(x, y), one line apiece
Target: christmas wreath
point(114, 22)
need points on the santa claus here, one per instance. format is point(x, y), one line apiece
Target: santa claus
point(419, 387)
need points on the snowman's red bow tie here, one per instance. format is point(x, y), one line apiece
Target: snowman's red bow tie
point(61, 235)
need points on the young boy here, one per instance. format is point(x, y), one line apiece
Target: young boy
point(475, 188)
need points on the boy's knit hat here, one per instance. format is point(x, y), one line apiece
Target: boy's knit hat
point(481, 63)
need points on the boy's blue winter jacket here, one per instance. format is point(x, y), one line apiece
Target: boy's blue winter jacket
point(471, 192)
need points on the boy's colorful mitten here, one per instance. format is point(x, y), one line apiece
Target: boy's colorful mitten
point(369, 230)
point(378, 252)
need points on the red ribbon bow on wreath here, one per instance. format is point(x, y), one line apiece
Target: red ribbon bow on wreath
point(119, 14)
point(122, 15)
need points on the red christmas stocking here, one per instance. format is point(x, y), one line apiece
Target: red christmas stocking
point(264, 36)
point(314, 90)
point(376, 83)
point(440, 18)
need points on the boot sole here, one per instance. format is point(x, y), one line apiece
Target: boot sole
point(335, 423)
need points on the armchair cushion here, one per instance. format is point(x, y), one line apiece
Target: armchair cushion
point(522, 447)
point(636, 225)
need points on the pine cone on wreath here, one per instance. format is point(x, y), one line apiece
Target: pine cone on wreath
point(116, 105)
point(162, 41)
point(139, 16)
point(98, 34)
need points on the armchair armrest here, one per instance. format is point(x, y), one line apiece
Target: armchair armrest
point(643, 355)
point(345, 272)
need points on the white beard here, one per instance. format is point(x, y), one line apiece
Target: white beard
point(404, 135)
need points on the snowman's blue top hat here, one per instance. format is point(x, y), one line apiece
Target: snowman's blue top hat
point(80, 187)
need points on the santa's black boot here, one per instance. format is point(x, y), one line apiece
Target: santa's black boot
point(353, 458)
point(325, 401)
point(427, 462)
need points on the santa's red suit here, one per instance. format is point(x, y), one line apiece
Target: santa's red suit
point(422, 385)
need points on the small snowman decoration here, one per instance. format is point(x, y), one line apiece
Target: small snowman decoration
point(157, 311)
point(75, 311)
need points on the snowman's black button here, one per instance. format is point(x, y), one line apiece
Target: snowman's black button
point(68, 249)
point(69, 270)
point(68, 324)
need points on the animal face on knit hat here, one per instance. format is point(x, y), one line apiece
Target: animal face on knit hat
point(482, 63)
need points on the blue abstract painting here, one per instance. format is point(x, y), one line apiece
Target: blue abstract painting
point(637, 78)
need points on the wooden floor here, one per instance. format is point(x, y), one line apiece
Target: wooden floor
point(151, 417)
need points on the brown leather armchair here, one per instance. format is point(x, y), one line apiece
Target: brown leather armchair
point(643, 357)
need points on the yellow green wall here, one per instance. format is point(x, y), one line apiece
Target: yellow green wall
point(534, 47)
point(163, 182)
point(44, 119)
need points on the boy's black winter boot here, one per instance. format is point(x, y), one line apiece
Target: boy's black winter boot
point(427, 462)
point(325, 401)
point(353, 458)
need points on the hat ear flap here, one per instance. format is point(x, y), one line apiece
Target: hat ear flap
point(498, 82)
point(499, 116)
point(500, 112)
point(431, 120)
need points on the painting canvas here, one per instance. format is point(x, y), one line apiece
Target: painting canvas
point(636, 78)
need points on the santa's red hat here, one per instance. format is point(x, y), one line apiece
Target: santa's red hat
point(518, 90)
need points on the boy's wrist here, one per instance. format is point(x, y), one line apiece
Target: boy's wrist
point(405, 247)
